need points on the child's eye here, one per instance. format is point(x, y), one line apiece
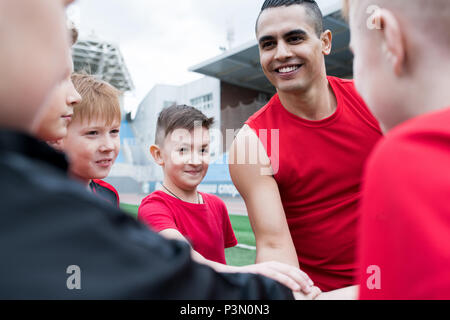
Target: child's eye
point(182, 150)
point(92, 133)
point(204, 150)
point(115, 131)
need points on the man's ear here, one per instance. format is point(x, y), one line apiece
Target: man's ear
point(394, 47)
point(155, 151)
point(326, 38)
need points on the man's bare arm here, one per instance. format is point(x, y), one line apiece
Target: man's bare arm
point(291, 277)
point(249, 165)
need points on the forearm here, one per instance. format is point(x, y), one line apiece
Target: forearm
point(276, 252)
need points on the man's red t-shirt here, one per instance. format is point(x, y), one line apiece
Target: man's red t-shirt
point(405, 225)
point(207, 226)
point(318, 168)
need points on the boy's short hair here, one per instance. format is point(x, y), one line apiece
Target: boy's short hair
point(179, 117)
point(99, 100)
point(429, 18)
point(311, 6)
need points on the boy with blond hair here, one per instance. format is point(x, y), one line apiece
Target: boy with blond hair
point(92, 142)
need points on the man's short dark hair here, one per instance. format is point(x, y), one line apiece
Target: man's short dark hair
point(179, 117)
point(311, 6)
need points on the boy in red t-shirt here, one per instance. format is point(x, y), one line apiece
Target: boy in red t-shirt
point(178, 211)
point(402, 70)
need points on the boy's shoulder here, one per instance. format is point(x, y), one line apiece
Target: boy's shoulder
point(421, 142)
point(159, 197)
point(214, 200)
point(155, 196)
point(210, 197)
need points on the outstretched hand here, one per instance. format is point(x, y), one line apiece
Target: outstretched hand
point(291, 277)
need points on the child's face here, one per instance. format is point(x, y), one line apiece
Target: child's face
point(185, 157)
point(92, 148)
point(33, 51)
point(58, 115)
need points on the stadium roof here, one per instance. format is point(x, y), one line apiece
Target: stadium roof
point(104, 60)
point(240, 66)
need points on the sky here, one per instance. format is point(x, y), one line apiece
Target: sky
point(160, 40)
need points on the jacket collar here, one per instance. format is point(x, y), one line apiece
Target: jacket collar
point(30, 147)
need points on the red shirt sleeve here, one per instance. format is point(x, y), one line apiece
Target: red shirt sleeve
point(229, 236)
point(154, 212)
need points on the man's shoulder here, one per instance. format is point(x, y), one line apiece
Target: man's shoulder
point(350, 83)
point(345, 86)
point(346, 92)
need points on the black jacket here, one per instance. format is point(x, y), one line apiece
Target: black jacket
point(49, 223)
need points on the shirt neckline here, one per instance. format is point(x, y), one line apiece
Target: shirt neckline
point(29, 146)
point(319, 123)
point(179, 201)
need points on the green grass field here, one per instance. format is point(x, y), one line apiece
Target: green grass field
point(235, 256)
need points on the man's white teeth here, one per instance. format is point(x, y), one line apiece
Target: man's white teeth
point(288, 69)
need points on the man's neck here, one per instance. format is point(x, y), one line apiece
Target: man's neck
point(316, 103)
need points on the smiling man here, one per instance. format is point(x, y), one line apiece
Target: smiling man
point(316, 133)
